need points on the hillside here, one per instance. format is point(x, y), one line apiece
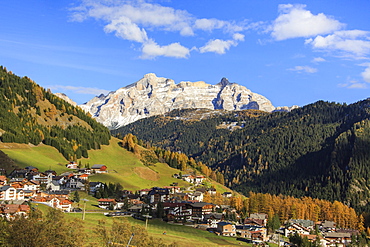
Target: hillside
point(319, 150)
point(124, 166)
point(32, 115)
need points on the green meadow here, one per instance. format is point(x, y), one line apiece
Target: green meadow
point(124, 168)
point(183, 236)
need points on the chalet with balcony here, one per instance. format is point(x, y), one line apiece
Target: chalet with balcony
point(158, 194)
point(226, 229)
point(199, 209)
point(99, 168)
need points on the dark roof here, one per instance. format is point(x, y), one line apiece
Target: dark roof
point(199, 204)
point(30, 168)
point(173, 204)
point(55, 183)
point(97, 166)
point(4, 188)
point(213, 215)
point(58, 192)
point(161, 191)
point(223, 223)
point(93, 184)
point(201, 190)
point(50, 171)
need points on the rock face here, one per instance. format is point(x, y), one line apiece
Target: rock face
point(66, 98)
point(154, 95)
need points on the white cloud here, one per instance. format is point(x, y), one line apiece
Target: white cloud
point(306, 69)
point(154, 15)
point(221, 46)
point(209, 24)
point(366, 74)
point(355, 43)
point(318, 60)
point(79, 90)
point(140, 20)
point(357, 85)
point(238, 37)
point(151, 50)
point(353, 84)
point(217, 46)
point(125, 29)
point(294, 21)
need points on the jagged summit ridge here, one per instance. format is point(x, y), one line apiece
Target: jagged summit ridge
point(154, 95)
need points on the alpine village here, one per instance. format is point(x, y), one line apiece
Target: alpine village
point(186, 177)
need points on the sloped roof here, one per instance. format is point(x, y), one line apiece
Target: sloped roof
point(97, 166)
point(4, 188)
point(106, 200)
point(223, 223)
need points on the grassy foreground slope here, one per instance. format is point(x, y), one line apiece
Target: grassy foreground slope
point(182, 236)
point(43, 157)
point(124, 167)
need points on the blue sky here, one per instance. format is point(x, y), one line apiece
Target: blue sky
point(292, 52)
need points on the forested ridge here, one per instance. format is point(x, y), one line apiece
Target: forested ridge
point(320, 150)
point(31, 114)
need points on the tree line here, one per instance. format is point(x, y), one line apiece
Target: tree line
point(31, 114)
point(151, 154)
point(318, 150)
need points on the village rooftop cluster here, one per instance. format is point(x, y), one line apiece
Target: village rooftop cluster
point(171, 203)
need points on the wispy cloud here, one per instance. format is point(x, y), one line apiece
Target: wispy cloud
point(349, 43)
point(366, 73)
point(295, 21)
point(353, 84)
point(318, 60)
point(78, 90)
point(152, 50)
point(137, 20)
point(306, 69)
point(217, 46)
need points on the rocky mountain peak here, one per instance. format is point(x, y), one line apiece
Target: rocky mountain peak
point(152, 95)
point(224, 82)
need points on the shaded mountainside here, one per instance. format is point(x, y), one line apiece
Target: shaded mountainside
point(320, 150)
point(6, 164)
point(30, 114)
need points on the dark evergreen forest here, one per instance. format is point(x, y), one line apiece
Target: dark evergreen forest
point(31, 114)
point(321, 150)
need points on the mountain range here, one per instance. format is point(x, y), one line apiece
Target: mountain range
point(154, 95)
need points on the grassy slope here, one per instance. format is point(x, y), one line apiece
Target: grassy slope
point(125, 168)
point(43, 157)
point(184, 236)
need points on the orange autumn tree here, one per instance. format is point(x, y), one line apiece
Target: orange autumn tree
point(306, 208)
